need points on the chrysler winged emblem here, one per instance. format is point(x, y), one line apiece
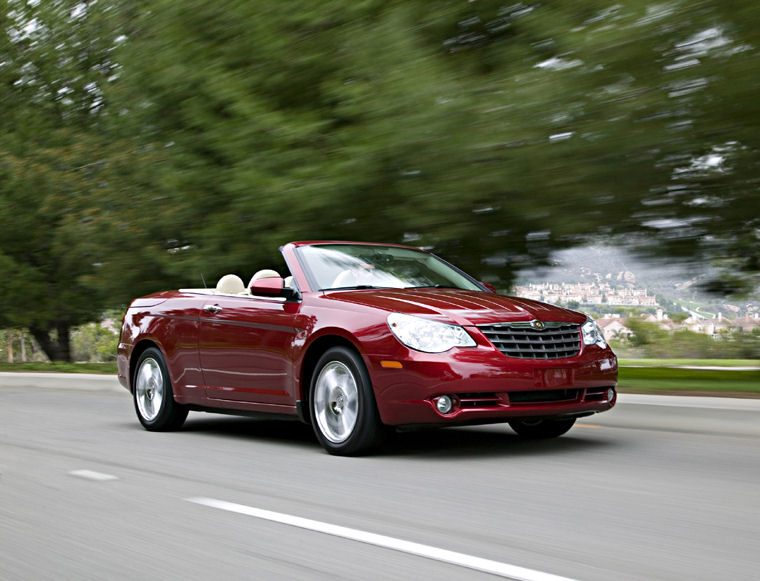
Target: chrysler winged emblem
point(537, 325)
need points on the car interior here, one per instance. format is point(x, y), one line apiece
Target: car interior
point(232, 284)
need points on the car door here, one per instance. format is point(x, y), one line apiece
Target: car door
point(245, 346)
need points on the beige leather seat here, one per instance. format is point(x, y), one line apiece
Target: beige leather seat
point(230, 284)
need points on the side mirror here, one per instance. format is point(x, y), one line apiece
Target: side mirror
point(489, 286)
point(273, 286)
point(270, 286)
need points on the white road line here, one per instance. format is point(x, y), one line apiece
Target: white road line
point(92, 475)
point(486, 565)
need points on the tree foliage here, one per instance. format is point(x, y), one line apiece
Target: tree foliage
point(494, 133)
point(92, 343)
point(651, 341)
point(145, 143)
point(56, 166)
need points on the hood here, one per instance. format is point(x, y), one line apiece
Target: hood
point(462, 307)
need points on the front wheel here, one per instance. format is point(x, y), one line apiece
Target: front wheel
point(153, 396)
point(343, 409)
point(541, 427)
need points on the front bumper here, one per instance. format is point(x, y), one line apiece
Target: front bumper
point(487, 386)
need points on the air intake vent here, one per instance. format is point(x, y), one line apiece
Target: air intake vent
point(534, 339)
point(544, 396)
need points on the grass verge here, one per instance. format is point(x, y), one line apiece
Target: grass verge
point(60, 367)
point(695, 362)
point(661, 379)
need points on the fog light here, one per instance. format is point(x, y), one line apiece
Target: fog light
point(610, 394)
point(443, 404)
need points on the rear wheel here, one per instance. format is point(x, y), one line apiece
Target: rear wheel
point(153, 395)
point(343, 409)
point(541, 427)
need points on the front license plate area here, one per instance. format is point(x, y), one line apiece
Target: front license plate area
point(556, 377)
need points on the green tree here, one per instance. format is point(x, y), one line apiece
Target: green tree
point(646, 333)
point(678, 316)
point(58, 168)
point(93, 343)
point(494, 134)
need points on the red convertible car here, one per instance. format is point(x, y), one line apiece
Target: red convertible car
point(357, 339)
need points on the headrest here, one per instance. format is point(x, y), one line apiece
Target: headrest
point(230, 284)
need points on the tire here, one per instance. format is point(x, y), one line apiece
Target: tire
point(153, 396)
point(342, 404)
point(541, 427)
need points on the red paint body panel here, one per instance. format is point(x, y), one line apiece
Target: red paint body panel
point(245, 349)
point(250, 353)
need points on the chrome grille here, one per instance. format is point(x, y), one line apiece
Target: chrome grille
point(523, 340)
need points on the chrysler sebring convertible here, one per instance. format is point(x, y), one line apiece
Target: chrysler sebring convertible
point(358, 339)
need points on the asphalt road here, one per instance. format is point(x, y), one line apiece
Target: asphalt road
point(658, 488)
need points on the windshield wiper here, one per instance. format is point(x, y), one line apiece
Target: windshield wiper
point(356, 287)
point(435, 286)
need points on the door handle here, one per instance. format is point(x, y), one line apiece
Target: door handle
point(212, 308)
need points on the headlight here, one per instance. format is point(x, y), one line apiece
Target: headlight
point(592, 334)
point(426, 335)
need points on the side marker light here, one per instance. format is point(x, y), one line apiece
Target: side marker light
point(391, 364)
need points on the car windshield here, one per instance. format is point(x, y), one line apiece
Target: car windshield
point(358, 266)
